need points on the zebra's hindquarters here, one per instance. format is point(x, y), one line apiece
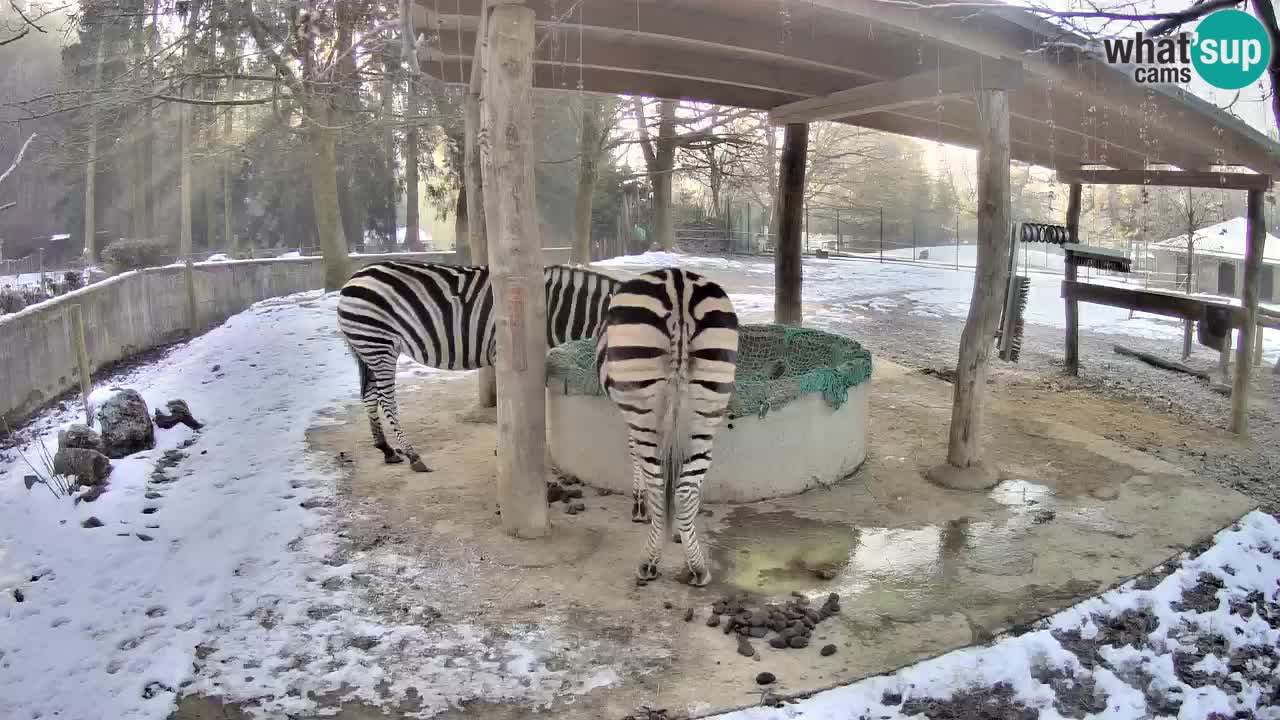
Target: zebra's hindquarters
point(667, 359)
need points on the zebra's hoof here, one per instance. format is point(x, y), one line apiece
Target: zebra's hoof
point(647, 571)
point(419, 466)
point(699, 578)
point(392, 459)
point(639, 513)
point(676, 539)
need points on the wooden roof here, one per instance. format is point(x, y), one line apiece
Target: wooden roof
point(1068, 109)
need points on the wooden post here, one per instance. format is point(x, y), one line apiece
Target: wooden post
point(1069, 274)
point(1257, 347)
point(788, 263)
point(515, 259)
point(82, 359)
point(477, 240)
point(1224, 360)
point(1257, 233)
point(189, 279)
point(964, 468)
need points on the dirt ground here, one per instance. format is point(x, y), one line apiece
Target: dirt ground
point(919, 570)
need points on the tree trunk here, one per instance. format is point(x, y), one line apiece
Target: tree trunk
point(184, 171)
point(788, 268)
point(770, 224)
point(91, 167)
point(389, 148)
point(519, 297)
point(588, 171)
point(412, 234)
point(324, 196)
point(964, 467)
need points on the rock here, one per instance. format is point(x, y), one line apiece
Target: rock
point(779, 641)
point(798, 641)
point(713, 620)
point(80, 436)
point(827, 650)
point(178, 413)
point(126, 425)
point(578, 507)
point(744, 647)
point(668, 605)
point(555, 493)
point(92, 522)
point(758, 631)
point(573, 492)
point(688, 615)
point(765, 678)
point(88, 467)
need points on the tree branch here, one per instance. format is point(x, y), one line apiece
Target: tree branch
point(214, 103)
point(18, 159)
point(1267, 13)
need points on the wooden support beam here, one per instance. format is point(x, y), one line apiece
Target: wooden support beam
point(515, 260)
point(476, 239)
point(926, 87)
point(788, 272)
point(964, 468)
point(1168, 178)
point(1257, 238)
point(1069, 269)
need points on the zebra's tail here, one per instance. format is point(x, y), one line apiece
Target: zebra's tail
point(673, 434)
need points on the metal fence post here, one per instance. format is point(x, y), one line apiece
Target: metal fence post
point(882, 234)
point(82, 359)
point(957, 241)
point(839, 238)
point(913, 237)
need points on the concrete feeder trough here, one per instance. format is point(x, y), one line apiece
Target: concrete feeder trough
point(798, 417)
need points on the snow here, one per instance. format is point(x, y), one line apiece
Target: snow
point(231, 546)
point(841, 286)
point(218, 257)
point(1225, 239)
point(291, 254)
point(1242, 556)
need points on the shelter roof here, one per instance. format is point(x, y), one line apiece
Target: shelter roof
point(1225, 239)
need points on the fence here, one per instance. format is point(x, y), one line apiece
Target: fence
point(863, 233)
point(139, 310)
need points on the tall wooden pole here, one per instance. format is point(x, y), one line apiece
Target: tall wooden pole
point(515, 260)
point(1257, 233)
point(964, 468)
point(1069, 274)
point(788, 269)
point(476, 238)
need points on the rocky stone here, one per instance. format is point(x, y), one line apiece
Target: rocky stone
point(88, 467)
point(765, 678)
point(80, 436)
point(92, 522)
point(178, 413)
point(827, 650)
point(126, 425)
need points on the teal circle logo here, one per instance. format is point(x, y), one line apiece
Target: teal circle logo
point(1232, 49)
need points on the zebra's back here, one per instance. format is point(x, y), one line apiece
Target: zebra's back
point(440, 315)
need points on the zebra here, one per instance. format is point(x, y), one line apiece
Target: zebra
point(667, 357)
point(442, 316)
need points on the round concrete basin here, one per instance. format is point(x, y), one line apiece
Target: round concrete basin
point(798, 418)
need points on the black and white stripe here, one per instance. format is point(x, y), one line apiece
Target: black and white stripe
point(442, 316)
point(667, 358)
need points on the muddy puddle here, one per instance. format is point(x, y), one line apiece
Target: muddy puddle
point(895, 571)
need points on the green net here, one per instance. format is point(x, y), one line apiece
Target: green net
point(776, 364)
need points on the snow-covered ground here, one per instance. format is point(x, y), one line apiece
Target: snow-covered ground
point(862, 285)
point(1202, 641)
point(229, 543)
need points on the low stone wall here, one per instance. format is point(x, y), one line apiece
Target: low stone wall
point(139, 310)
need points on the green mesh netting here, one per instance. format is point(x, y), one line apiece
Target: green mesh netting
point(776, 364)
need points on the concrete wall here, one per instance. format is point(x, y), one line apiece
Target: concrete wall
point(136, 311)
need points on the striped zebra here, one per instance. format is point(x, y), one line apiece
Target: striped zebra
point(442, 316)
point(667, 358)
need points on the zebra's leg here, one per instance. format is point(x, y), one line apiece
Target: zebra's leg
point(655, 497)
point(687, 500)
point(369, 383)
point(687, 495)
point(387, 396)
point(639, 506)
point(389, 455)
